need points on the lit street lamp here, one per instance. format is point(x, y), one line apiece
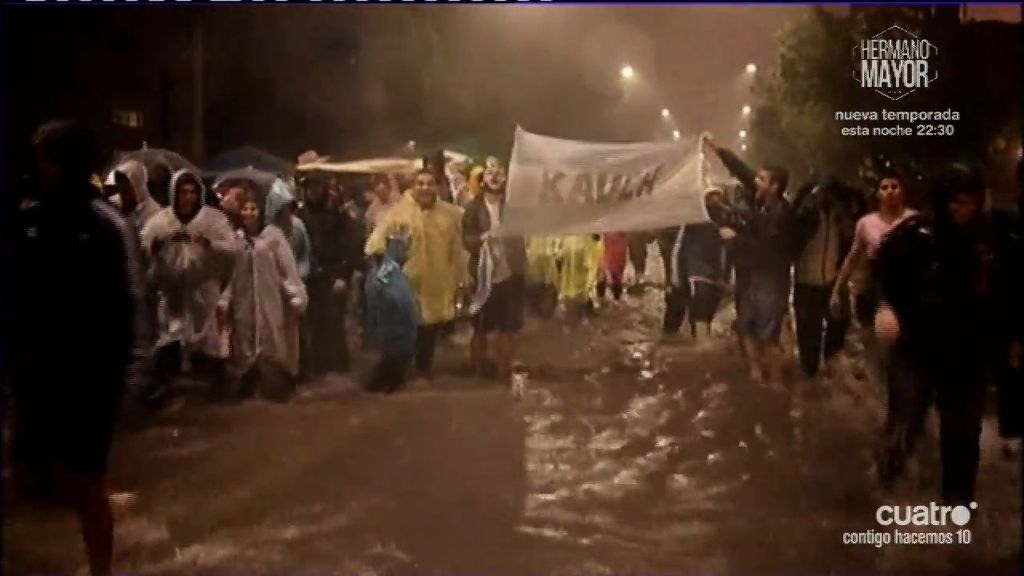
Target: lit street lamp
point(751, 68)
point(665, 113)
point(412, 143)
point(746, 109)
point(627, 72)
point(743, 134)
point(676, 135)
point(743, 147)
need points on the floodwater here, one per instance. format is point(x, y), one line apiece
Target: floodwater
point(625, 455)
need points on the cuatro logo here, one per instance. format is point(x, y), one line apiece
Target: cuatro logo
point(930, 515)
point(895, 63)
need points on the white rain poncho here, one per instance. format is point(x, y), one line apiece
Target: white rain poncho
point(266, 296)
point(145, 206)
point(187, 274)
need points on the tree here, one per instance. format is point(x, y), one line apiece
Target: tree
point(795, 121)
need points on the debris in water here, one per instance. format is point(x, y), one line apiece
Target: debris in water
point(664, 441)
point(679, 481)
point(716, 389)
point(707, 433)
point(124, 499)
point(647, 374)
point(519, 385)
point(759, 433)
point(742, 444)
point(714, 457)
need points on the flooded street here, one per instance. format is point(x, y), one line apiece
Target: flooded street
point(626, 455)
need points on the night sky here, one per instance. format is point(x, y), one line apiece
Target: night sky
point(364, 80)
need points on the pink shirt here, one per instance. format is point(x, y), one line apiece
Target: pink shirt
point(868, 236)
point(872, 228)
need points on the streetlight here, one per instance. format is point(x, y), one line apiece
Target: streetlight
point(743, 147)
point(751, 68)
point(412, 143)
point(627, 72)
point(743, 134)
point(746, 109)
point(665, 113)
point(676, 135)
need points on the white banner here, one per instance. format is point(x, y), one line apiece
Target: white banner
point(560, 186)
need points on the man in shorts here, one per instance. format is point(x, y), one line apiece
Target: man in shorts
point(504, 284)
point(764, 228)
point(74, 316)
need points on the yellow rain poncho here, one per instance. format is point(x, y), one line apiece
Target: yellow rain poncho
point(581, 263)
point(476, 174)
point(541, 258)
point(436, 261)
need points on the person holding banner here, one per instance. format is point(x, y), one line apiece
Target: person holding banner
point(502, 288)
point(435, 261)
point(764, 227)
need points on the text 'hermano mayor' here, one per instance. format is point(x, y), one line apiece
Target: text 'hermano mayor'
point(887, 63)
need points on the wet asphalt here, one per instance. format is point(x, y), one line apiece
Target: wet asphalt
point(626, 455)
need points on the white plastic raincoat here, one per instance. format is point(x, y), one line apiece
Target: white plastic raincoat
point(187, 274)
point(266, 296)
point(145, 206)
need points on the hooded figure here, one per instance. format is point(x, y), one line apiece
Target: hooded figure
point(392, 315)
point(266, 296)
point(938, 279)
point(189, 245)
point(142, 207)
point(332, 258)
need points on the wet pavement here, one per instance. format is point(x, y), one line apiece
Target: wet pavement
point(626, 455)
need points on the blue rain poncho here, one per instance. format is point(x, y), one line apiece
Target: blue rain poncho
point(392, 311)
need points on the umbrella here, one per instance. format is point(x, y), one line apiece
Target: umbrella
point(449, 156)
point(249, 157)
point(368, 166)
point(260, 180)
point(153, 157)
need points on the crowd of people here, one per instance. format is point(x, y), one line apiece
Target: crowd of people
point(262, 282)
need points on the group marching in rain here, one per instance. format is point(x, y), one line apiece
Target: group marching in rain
point(255, 282)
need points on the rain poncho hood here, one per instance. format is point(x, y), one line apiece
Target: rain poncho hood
point(436, 262)
point(176, 180)
point(138, 177)
point(189, 274)
point(279, 197)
